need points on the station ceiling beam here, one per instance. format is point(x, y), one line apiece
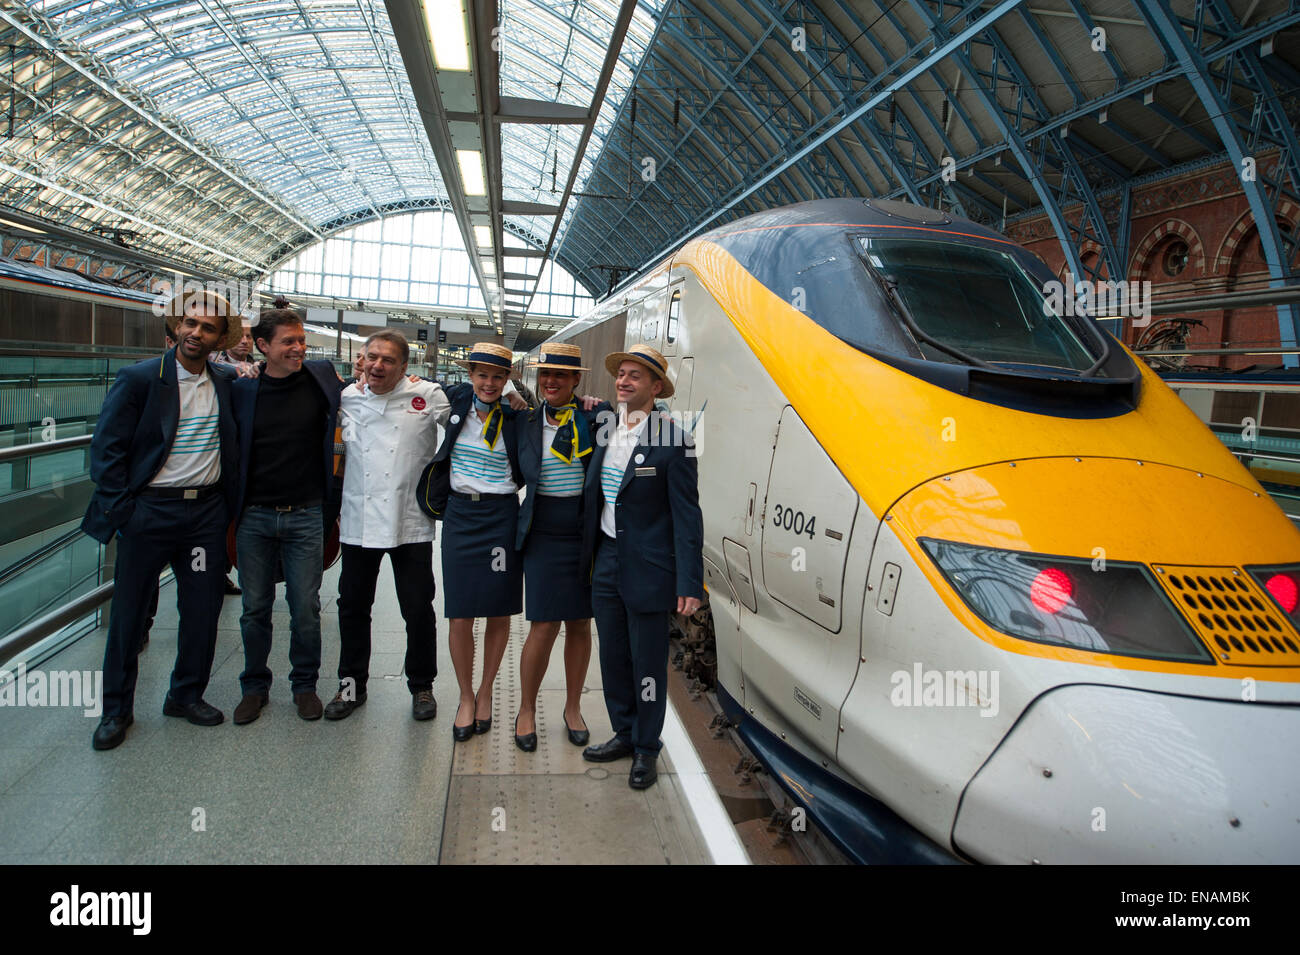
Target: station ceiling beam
point(1267, 121)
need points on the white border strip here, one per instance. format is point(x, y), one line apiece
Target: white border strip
point(719, 831)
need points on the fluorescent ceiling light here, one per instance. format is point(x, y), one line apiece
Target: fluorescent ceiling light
point(25, 228)
point(471, 171)
point(447, 33)
point(483, 236)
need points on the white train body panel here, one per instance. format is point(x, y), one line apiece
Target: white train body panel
point(837, 634)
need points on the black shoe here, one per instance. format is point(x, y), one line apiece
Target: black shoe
point(424, 706)
point(201, 713)
point(338, 708)
point(577, 737)
point(527, 743)
point(643, 773)
point(608, 752)
point(481, 726)
point(231, 589)
point(462, 733)
point(111, 731)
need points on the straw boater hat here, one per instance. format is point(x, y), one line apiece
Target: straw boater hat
point(642, 355)
point(560, 357)
point(488, 353)
point(203, 300)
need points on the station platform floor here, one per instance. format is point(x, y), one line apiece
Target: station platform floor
point(377, 787)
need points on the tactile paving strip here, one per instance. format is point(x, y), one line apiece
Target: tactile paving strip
point(508, 807)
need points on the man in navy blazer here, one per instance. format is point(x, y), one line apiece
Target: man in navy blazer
point(288, 502)
point(164, 461)
point(643, 538)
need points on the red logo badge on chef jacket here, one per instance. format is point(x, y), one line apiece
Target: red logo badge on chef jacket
point(417, 403)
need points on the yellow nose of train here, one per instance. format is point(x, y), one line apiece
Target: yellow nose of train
point(1127, 581)
point(1151, 487)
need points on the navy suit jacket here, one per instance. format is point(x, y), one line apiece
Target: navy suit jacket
point(660, 530)
point(531, 453)
point(435, 482)
point(244, 391)
point(134, 436)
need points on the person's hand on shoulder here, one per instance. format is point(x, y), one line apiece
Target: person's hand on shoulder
point(516, 401)
point(589, 402)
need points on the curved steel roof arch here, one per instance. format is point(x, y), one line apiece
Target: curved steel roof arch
point(228, 133)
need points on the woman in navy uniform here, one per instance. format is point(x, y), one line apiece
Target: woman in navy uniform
point(473, 484)
point(555, 444)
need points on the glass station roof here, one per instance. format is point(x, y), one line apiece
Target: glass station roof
point(229, 133)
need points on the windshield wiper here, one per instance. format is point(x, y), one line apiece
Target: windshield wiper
point(890, 285)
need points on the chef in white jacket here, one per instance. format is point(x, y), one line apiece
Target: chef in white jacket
point(391, 428)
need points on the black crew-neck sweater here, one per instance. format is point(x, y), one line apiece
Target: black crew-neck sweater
point(288, 441)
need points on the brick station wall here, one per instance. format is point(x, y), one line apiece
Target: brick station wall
point(1207, 209)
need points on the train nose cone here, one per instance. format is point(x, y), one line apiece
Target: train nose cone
point(1115, 775)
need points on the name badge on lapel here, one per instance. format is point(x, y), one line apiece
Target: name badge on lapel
point(645, 472)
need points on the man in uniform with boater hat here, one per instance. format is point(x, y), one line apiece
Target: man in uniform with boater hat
point(643, 545)
point(165, 465)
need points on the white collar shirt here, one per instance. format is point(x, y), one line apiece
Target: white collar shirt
point(195, 457)
point(622, 442)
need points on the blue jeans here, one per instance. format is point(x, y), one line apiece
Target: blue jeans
point(267, 540)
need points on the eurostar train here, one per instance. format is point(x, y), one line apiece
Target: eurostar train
point(982, 587)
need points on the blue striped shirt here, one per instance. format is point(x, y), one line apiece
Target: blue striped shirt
point(196, 435)
point(195, 457)
point(558, 479)
point(476, 468)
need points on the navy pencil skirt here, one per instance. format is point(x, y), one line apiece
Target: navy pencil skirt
point(482, 574)
point(556, 588)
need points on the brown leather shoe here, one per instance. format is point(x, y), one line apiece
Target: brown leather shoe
point(309, 705)
point(250, 707)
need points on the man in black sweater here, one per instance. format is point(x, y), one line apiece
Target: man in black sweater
point(287, 502)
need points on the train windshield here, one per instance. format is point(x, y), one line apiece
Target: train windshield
point(971, 302)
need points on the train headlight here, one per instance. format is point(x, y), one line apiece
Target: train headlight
point(1115, 607)
point(1283, 585)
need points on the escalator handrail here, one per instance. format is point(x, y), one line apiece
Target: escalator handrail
point(33, 632)
point(18, 452)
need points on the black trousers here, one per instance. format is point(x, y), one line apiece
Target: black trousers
point(633, 658)
point(191, 536)
point(413, 575)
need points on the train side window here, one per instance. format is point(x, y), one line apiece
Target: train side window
point(1281, 416)
point(674, 312)
point(1232, 408)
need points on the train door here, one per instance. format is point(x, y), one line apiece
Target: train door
point(798, 655)
point(680, 402)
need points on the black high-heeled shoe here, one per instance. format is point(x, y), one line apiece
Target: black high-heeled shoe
point(461, 733)
point(527, 743)
point(577, 737)
point(481, 726)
